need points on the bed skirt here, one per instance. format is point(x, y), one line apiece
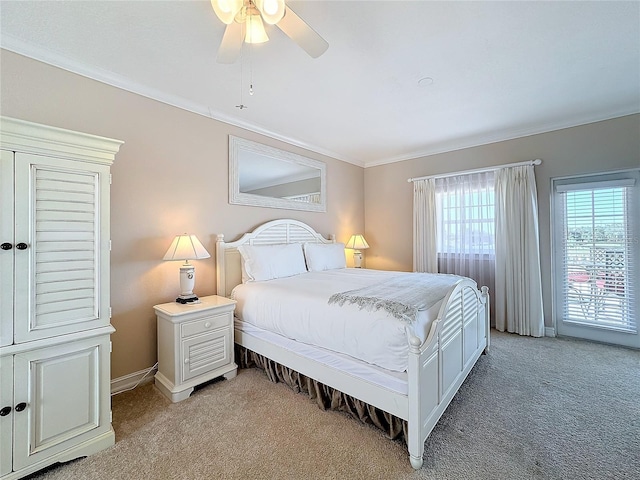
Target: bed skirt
point(327, 398)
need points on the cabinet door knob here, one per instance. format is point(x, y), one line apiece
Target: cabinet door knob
point(6, 246)
point(207, 325)
point(5, 411)
point(186, 360)
point(21, 406)
point(22, 246)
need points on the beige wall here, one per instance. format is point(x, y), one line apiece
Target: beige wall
point(602, 146)
point(169, 177)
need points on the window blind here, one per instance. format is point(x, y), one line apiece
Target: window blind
point(598, 264)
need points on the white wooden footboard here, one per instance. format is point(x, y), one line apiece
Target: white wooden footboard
point(438, 366)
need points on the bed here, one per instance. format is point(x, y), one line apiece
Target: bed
point(438, 351)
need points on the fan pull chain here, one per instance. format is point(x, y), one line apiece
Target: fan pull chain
point(250, 70)
point(242, 106)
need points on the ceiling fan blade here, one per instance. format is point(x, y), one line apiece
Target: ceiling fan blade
point(301, 33)
point(231, 44)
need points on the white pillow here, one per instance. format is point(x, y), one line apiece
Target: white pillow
point(245, 277)
point(266, 262)
point(321, 256)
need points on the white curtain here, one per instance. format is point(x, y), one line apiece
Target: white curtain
point(465, 226)
point(425, 257)
point(518, 292)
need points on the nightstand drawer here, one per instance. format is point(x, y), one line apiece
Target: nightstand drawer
point(204, 325)
point(207, 352)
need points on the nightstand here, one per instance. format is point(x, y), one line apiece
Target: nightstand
point(195, 344)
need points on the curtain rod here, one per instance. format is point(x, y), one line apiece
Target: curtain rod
point(537, 161)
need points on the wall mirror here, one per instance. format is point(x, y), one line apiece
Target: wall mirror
point(265, 176)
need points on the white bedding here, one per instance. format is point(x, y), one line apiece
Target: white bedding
point(297, 307)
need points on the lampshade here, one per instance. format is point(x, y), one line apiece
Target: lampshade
point(272, 10)
point(255, 28)
point(186, 247)
point(226, 10)
point(357, 242)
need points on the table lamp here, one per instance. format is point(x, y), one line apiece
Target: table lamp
point(357, 243)
point(186, 247)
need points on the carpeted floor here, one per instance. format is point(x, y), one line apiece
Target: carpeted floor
point(531, 409)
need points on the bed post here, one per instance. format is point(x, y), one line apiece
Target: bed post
point(220, 267)
point(415, 442)
point(487, 317)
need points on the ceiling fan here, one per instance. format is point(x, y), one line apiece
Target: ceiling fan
point(244, 20)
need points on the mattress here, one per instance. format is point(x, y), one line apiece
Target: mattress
point(393, 381)
point(297, 308)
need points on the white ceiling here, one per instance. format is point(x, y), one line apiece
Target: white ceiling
point(500, 69)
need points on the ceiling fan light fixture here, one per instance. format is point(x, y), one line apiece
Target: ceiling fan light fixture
point(244, 19)
point(226, 10)
point(272, 11)
point(255, 30)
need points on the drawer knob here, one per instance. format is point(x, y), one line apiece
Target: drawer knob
point(5, 411)
point(6, 246)
point(207, 325)
point(20, 407)
point(186, 360)
point(22, 246)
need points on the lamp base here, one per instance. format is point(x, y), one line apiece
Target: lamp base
point(184, 299)
point(357, 259)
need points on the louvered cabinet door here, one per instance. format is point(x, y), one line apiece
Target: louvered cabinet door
point(7, 250)
point(62, 240)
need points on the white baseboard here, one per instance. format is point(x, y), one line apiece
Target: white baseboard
point(135, 379)
point(549, 332)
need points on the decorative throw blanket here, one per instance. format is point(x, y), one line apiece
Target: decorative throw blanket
point(402, 296)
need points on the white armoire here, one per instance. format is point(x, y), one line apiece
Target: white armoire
point(54, 296)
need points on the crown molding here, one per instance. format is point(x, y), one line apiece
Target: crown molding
point(29, 137)
point(16, 45)
point(504, 135)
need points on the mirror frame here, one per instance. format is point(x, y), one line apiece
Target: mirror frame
point(236, 197)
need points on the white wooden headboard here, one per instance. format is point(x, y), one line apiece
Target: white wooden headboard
point(228, 266)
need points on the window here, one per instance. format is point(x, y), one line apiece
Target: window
point(596, 245)
point(465, 215)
